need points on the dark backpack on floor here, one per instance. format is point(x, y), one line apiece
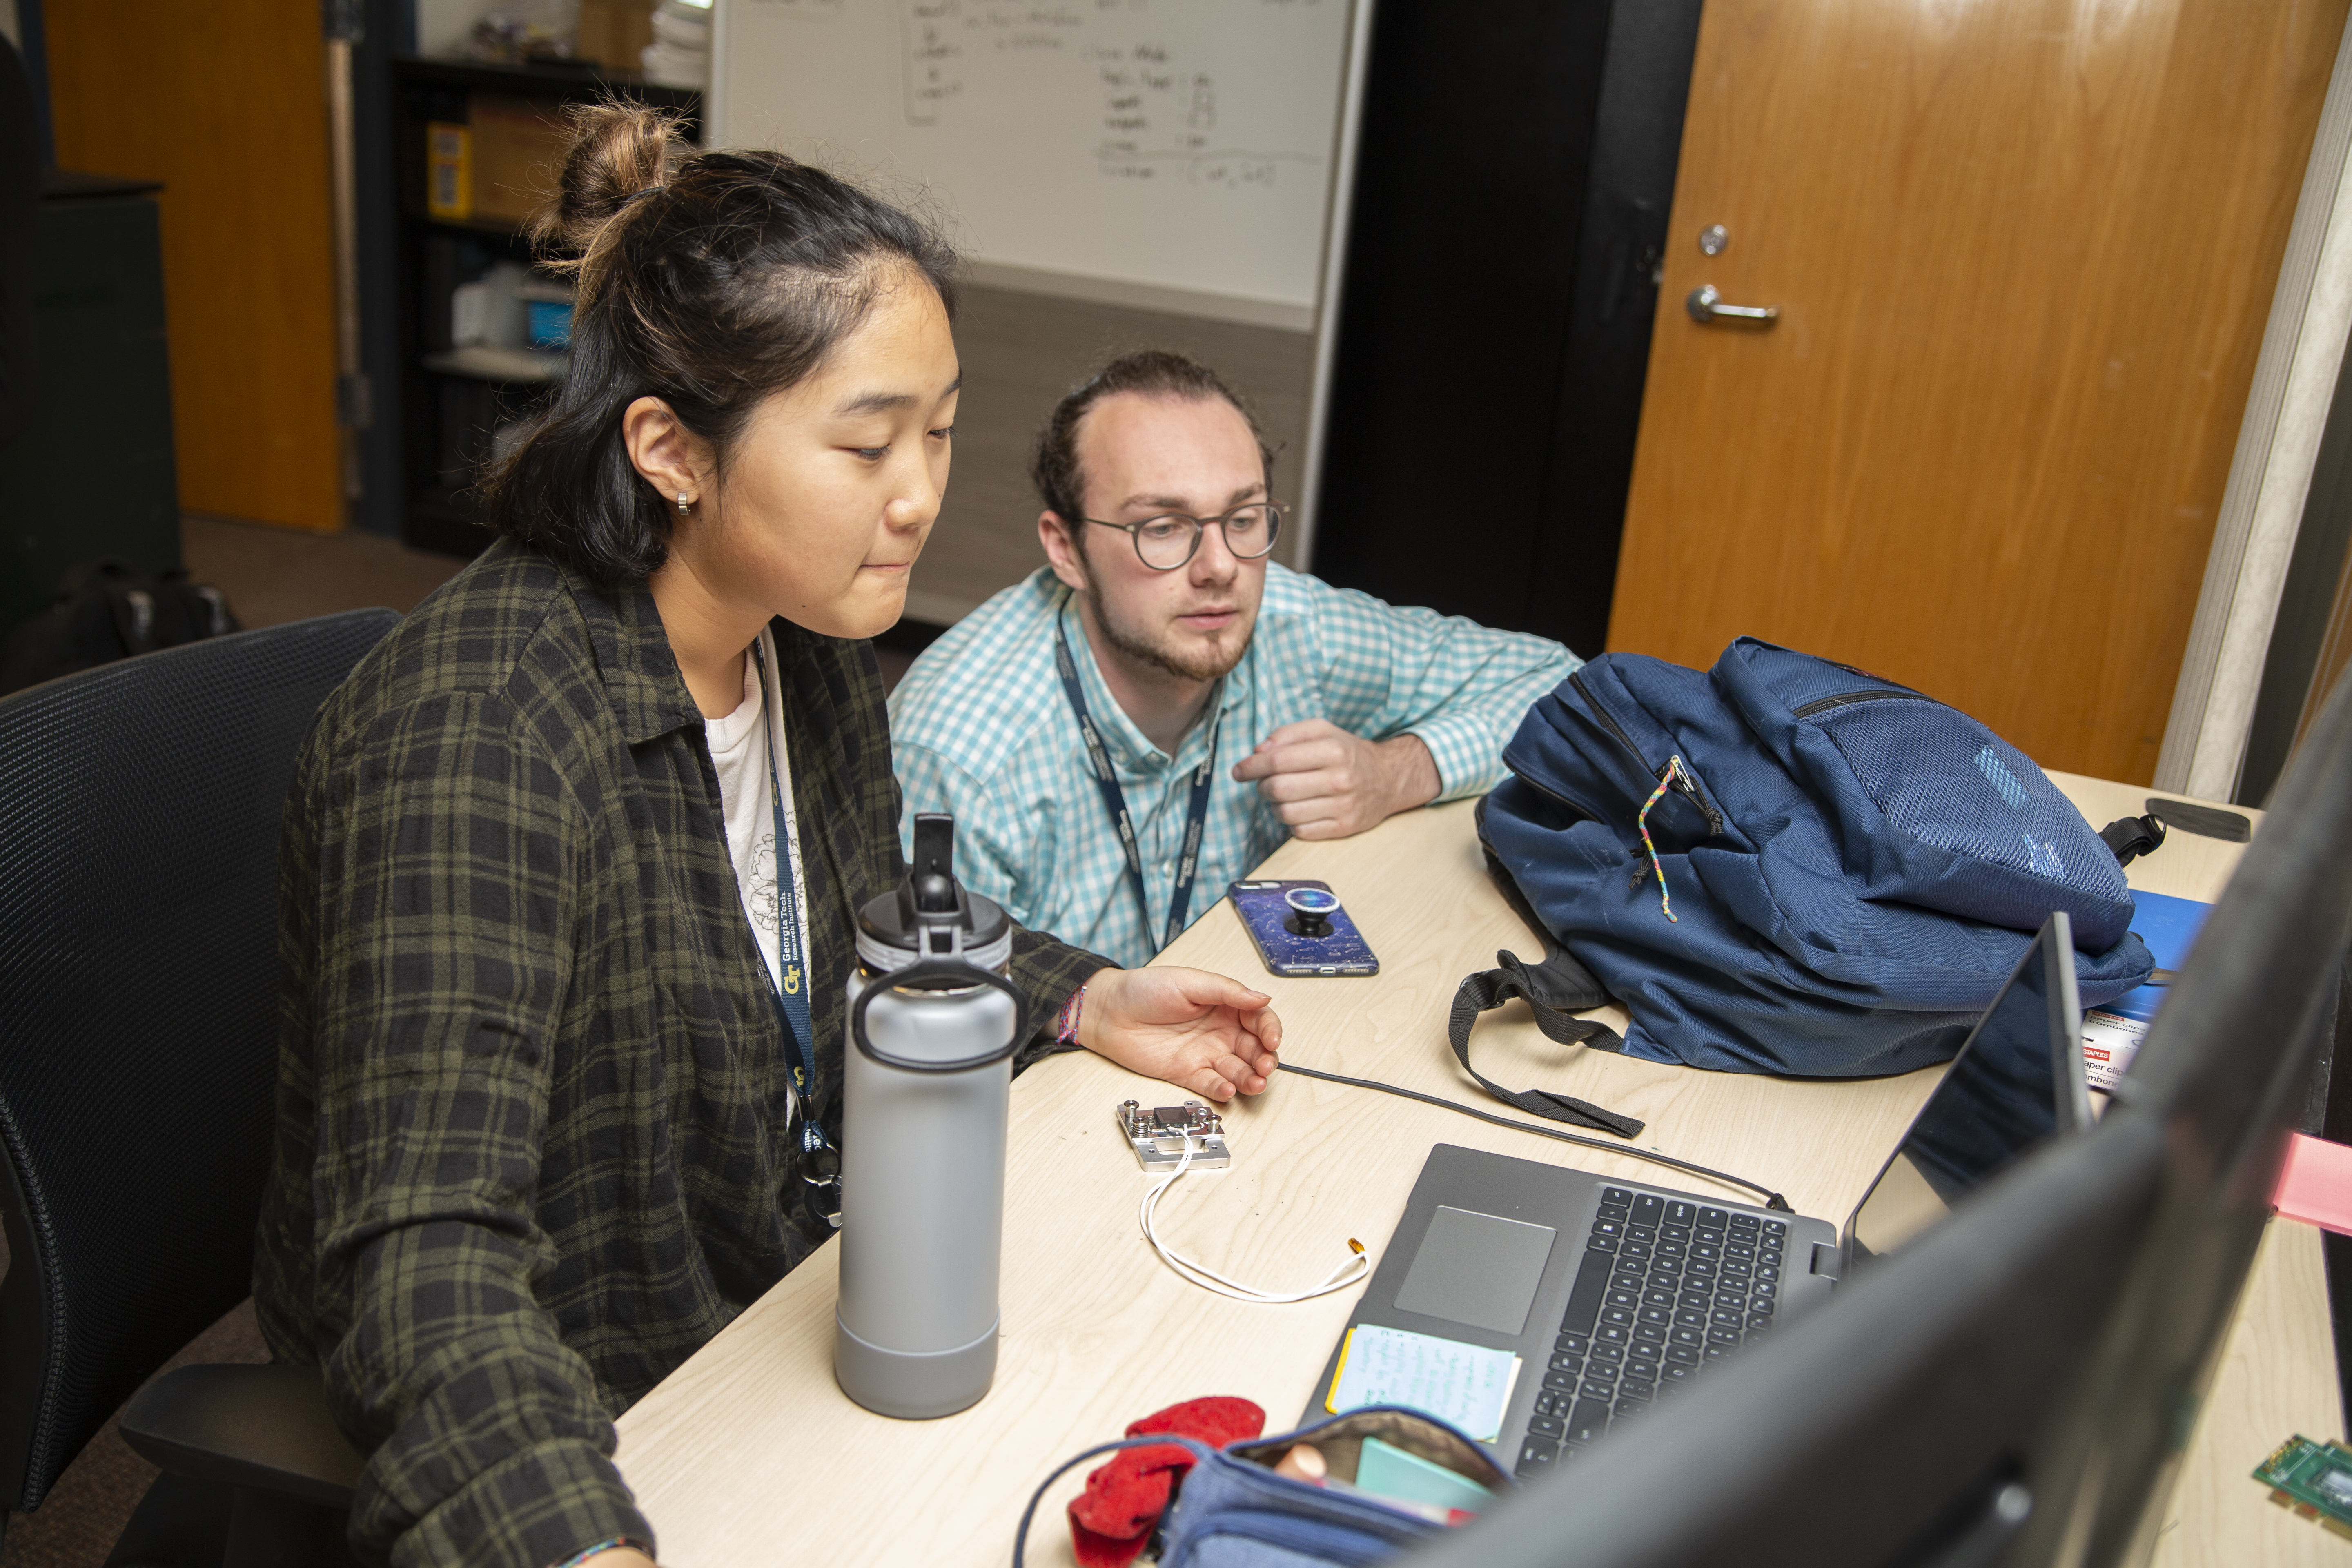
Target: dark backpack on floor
point(107, 612)
point(1838, 874)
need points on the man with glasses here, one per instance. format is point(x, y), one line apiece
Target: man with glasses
point(1163, 684)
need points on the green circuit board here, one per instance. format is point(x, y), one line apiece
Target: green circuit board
point(2311, 1480)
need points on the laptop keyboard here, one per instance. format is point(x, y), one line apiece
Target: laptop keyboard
point(1667, 1288)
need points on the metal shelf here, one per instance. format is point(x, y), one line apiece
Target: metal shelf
point(482, 362)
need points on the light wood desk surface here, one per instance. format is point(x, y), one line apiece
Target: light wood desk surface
point(748, 1453)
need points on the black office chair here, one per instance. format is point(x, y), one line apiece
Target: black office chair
point(139, 813)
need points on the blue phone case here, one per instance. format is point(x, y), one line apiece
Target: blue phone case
point(1272, 925)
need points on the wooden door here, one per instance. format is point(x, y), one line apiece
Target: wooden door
point(2023, 254)
point(226, 103)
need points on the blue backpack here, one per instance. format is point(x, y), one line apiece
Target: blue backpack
point(1785, 866)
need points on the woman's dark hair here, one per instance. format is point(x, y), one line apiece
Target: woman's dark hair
point(706, 279)
point(1154, 373)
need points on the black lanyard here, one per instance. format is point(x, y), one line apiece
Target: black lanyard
point(1196, 816)
point(790, 996)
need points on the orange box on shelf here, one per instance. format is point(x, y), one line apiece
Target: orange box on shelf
point(516, 142)
point(614, 33)
point(448, 171)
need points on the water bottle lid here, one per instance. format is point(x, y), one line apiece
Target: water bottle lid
point(931, 915)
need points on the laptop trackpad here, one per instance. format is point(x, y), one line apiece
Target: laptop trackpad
point(1476, 1268)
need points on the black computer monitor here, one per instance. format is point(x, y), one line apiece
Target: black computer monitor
point(2226, 1070)
point(2013, 1387)
point(1904, 1415)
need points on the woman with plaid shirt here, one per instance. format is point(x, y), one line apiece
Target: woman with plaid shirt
point(541, 1133)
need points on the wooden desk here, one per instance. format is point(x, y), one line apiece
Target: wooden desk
point(748, 1453)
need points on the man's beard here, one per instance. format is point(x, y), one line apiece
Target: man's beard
point(1198, 664)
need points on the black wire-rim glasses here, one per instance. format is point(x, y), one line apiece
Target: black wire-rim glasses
point(1169, 539)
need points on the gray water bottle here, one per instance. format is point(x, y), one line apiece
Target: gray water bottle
point(926, 1083)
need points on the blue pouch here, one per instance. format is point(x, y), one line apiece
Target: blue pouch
point(1231, 1510)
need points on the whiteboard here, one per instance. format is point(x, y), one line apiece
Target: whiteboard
point(1184, 146)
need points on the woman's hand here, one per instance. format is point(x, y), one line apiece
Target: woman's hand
point(1199, 1031)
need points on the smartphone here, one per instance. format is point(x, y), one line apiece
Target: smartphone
point(1300, 929)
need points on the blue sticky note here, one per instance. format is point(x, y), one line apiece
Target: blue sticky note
point(1466, 1385)
point(2169, 927)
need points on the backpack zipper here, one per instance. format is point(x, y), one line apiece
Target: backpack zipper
point(1853, 699)
point(1683, 782)
point(1609, 720)
point(1689, 785)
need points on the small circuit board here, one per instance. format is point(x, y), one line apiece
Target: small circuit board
point(1158, 1137)
point(2313, 1481)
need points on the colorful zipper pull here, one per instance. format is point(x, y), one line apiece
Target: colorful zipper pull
point(1673, 770)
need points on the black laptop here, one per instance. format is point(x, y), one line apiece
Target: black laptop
point(1617, 1294)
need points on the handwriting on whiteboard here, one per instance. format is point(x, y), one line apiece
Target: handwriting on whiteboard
point(1158, 115)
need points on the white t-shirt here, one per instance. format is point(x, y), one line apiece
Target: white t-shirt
point(739, 748)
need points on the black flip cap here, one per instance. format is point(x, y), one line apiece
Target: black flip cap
point(929, 895)
point(932, 869)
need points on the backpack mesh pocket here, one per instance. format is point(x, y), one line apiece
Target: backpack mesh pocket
point(1948, 781)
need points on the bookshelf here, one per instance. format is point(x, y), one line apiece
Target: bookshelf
point(455, 400)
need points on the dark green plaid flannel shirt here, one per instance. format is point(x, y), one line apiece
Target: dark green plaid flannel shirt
point(532, 1140)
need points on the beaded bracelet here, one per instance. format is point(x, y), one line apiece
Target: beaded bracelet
point(1066, 1027)
point(613, 1543)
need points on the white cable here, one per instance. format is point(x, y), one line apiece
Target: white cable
point(1346, 1274)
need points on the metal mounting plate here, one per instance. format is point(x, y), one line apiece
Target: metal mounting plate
point(1158, 1136)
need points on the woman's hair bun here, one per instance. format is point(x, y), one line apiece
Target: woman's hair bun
point(737, 281)
point(618, 149)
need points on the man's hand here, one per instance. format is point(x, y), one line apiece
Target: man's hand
point(1327, 784)
point(1197, 1030)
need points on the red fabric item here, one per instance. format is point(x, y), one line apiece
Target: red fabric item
point(1112, 1520)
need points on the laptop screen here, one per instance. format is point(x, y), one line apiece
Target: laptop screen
point(2016, 1081)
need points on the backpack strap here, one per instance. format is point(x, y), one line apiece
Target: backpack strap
point(2132, 836)
point(132, 609)
point(1558, 988)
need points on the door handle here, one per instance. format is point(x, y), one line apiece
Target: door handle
point(1707, 306)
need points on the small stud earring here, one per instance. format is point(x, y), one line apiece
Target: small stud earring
point(683, 505)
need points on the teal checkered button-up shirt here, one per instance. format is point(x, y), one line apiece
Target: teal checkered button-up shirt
point(980, 728)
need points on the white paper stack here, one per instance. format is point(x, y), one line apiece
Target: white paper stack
point(679, 55)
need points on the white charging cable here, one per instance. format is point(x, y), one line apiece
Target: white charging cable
point(1358, 1265)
